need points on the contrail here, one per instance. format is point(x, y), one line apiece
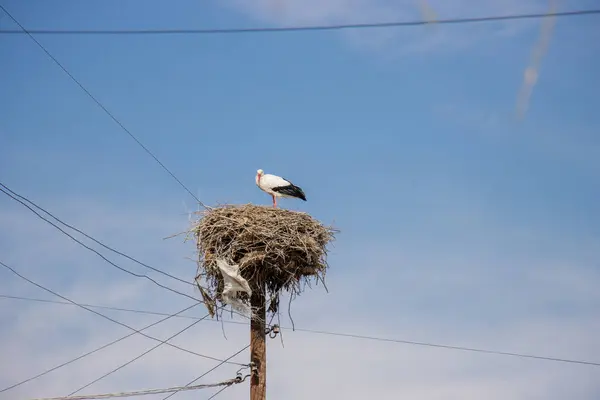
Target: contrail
point(531, 73)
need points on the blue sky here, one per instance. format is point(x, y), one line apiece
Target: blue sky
point(460, 224)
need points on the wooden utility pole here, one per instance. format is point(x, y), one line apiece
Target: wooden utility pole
point(258, 346)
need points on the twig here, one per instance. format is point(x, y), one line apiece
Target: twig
point(290, 312)
point(223, 328)
point(174, 235)
point(281, 330)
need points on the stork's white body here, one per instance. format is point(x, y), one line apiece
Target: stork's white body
point(267, 182)
point(277, 186)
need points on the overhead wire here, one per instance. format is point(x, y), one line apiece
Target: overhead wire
point(217, 393)
point(168, 316)
point(215, 31)
point(15, 272)
point(10, 193)
point(94, 250)
point(366, 337)
point(209, 371)
point(139, 356)
point(226, 384)
point(443, 346)
point(92, 238)
point(6, 296)
point(99, 104)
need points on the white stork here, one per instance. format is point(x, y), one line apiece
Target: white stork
point(276, 186)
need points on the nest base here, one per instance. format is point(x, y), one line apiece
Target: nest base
point(279, 247)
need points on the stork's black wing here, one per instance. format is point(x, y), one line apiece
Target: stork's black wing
point(290, 190)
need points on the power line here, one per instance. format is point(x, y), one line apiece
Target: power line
point(95, 350)
point(140, 356)
point(460, 348)
point(216, 394)
point(194, 31)
point(209, 371)
point(364, 337)
point(4, 189)
point(144, 392)
point(99, 104)
point(6, 296)
point(106, 317)
point(94, 250)
point(2, 186)
point(93, 239)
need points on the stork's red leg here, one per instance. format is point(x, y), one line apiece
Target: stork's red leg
point(274, 201)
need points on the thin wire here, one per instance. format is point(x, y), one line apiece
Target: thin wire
point(226, 384)
point(5, 296)
point(95, 350)
point(106, 317)
point(216, 394)
point(99, 104)
point(119, 309)
point(290, 28)
point(367, 337)
point(503, 353)
point(94, 250)
point(138, 357)
point(100, 255)
point(209, 371)
point(93, 239)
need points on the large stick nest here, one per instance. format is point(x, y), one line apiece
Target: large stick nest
point(279, 247)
